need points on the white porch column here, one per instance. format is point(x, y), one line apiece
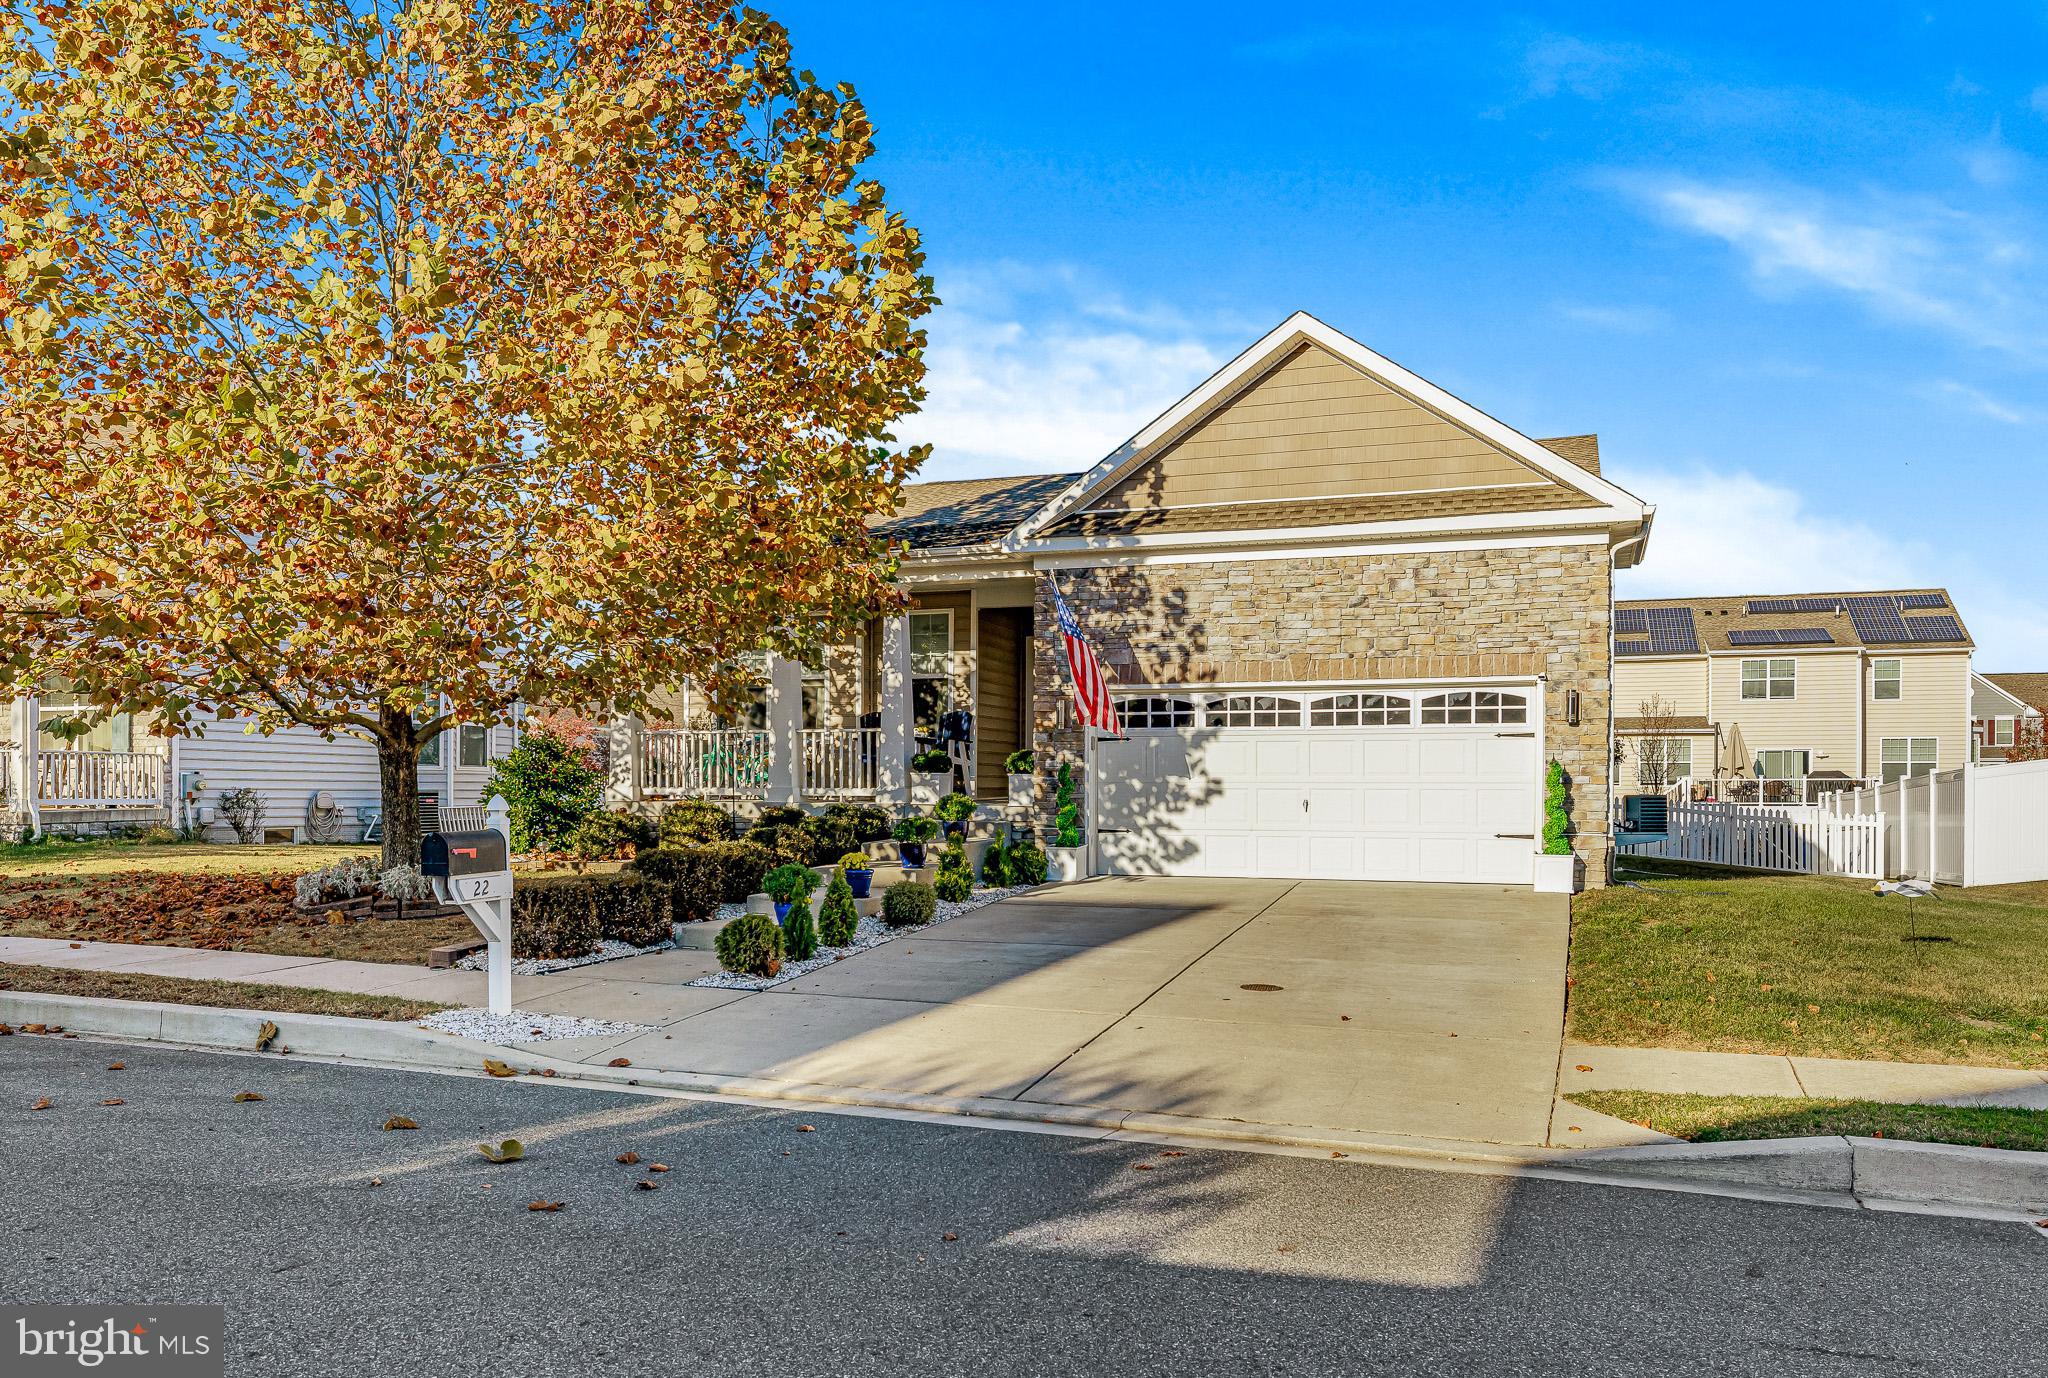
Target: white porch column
point(27, 724)
point(785, 730)
point(626, 780)
point(892, 768)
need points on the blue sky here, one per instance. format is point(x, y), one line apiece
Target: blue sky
point(1790, 261)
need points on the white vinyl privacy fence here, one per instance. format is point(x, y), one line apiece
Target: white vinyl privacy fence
point(1980, 825)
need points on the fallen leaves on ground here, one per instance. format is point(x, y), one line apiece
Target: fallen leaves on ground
point(1141, 1167)
point(629, 1157)
point(620, 1062)
point(115, 1066)
point(1171, 1153)
point(266, 1035)
point(806, 1129)
point(1581, 1067)
point(5, 1030)
point(498, 1069)
point(400, 1122)
point(657, 1167)
point(544, 1205)
point(43, 1104)
point(245, 1096)
point(510, 1151)
point(949, 1237)
point(376, 1181)
point(116, 1101)
point(647, 1184)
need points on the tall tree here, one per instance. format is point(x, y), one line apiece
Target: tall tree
point(372, 365)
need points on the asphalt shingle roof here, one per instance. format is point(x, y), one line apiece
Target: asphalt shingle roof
point(2030, 689)
point(1828, 617)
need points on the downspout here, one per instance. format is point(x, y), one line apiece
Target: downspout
point(1613, 565)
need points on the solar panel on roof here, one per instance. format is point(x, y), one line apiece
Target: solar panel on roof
point(1934, 628)
point(1923, 600)
point(1781, 636)
point(1671, 631)
point(1877, 618)
point(1631, 648)
point(1630, 621)
point(1769, 605)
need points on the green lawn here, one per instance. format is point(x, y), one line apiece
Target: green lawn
point(1809, 966)
point(105, 856)
point(236, 995)
point(1712, 1119)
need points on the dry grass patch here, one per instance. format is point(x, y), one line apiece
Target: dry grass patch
point(110, 856)
point(237, 995)
point(1714, 1119)
point(1810, 966)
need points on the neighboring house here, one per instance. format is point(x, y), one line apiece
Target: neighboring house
point(120, 776)
point(1348, 618)
point(1812, 690)
point(2002, 707)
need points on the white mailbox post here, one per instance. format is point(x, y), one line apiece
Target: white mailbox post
point(474, 870)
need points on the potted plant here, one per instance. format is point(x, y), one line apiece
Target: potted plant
point(789, 885)
point(1020, 766)
point(1557, 868)
point(1069, 858)
point(911, 834)
point(953, 811)
point(859, 875)
point(931, 776)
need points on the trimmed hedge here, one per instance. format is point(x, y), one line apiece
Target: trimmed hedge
point(693, 880)
point(751, 945)
point(779, 816)
point(740, 866)
point(602, 836)
point(554, 917)
point(696, 821)
point(633, 908)
point(908, 904)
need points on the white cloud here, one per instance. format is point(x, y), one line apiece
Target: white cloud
point(1978, 401)
point(1913, 261)
point(1581, 67)
point(1736, 533)
point(1030, 370)
point(1627, 320)
point(1994, 162)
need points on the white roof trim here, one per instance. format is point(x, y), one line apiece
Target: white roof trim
point(1227, 380)
point(2021, 708)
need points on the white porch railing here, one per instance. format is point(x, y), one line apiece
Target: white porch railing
point(1799, 838)
point(839, 762)
point(1798, 789)
point(688, 761)
point(102, 779)
point(7, 775)
point(463, 818)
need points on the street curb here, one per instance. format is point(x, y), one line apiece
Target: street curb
point(1875, 1172)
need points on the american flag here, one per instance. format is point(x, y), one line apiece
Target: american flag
point(1091, 690)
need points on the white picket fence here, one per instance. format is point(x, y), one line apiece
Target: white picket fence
point(1798, 838)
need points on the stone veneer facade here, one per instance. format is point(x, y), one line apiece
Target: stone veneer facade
point(1403, 616)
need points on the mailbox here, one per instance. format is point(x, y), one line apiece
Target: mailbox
point(452, 855)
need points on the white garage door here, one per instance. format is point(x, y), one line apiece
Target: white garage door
point(1378, 784)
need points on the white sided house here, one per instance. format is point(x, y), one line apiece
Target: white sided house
point(119, 777)
point(1348, 619)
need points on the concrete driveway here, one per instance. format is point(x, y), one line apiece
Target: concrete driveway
point(1427, 1010)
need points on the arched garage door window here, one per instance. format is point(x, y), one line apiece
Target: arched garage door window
point(1474, 706)
point(1359, 710)
point(1157, 712)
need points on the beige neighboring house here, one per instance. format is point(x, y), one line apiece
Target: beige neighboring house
point(2003, 707)
point(1347, 616)
point(1812, 690)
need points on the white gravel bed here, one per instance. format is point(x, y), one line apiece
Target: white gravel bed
point(609, 950)
point(728, 911)
point(522, 1026)
point(870, 932)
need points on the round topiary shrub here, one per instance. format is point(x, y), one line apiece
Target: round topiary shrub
point(953, 886)
point(909, 904)
point(1026, 864)
point(751, 945)
point(696, 820)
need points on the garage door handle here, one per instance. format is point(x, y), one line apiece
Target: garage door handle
point(1514, 734)
point(1523, 837)
point(1111, 830)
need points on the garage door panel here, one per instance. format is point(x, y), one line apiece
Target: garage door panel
point(1343, 801)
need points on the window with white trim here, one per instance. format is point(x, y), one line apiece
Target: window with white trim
point(1360, 710)
point(931, 670)
point(1156, 711)
point(1783, 764)
point(2001, 731)
point(1907, 757)
point(1253, 710)
point(1474, 706)
point(814, 692)
point(1885, 680)
point(473, 745)
point(1768, 679)
point(1663, 761)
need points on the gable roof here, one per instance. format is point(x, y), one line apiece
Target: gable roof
point(2029, 688)
point(1273, 351)
point(954, 514)
point(1780, 624)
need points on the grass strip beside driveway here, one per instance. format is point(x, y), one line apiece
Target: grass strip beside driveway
point(1811, 966)
point(1718, 1119)
point(240, 995)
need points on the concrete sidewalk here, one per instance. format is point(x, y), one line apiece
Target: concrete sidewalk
point(1756, 1074)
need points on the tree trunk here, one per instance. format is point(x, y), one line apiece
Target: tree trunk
point(398, 778)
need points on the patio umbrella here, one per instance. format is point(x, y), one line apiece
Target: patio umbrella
point(1734, 760)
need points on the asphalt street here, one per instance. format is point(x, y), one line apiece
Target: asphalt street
point(876, 1246)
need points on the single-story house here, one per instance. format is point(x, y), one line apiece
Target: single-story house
point(2003, 707)
point(1348, 619)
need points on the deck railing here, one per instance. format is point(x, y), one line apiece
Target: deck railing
point(102, 779)
point(839, 762)
point(689, 762)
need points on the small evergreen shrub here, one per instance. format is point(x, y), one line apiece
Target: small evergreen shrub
point(1557, 819)
point(554, 917)
point(603, 836)
point(695, 821)
point(751, 945)
point(1067, 817)
point(799, 932)
point(779, 816)
point(740, 866)
point(790, 883)
point(837, 918)
point(843, 828)
point(868, 822)
point(1026, 864)
point(909, 904)
point(995, 864)
point(854, 861)
point(632, 908)
point(785, 843)
point(548, 786)
point(1020, 762)
point(932, 762)
point(695, 881)
point(915, 828)
point(953, 886)
point(956, 807)
point(954, 858)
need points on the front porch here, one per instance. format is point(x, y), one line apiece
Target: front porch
point(953, 674)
